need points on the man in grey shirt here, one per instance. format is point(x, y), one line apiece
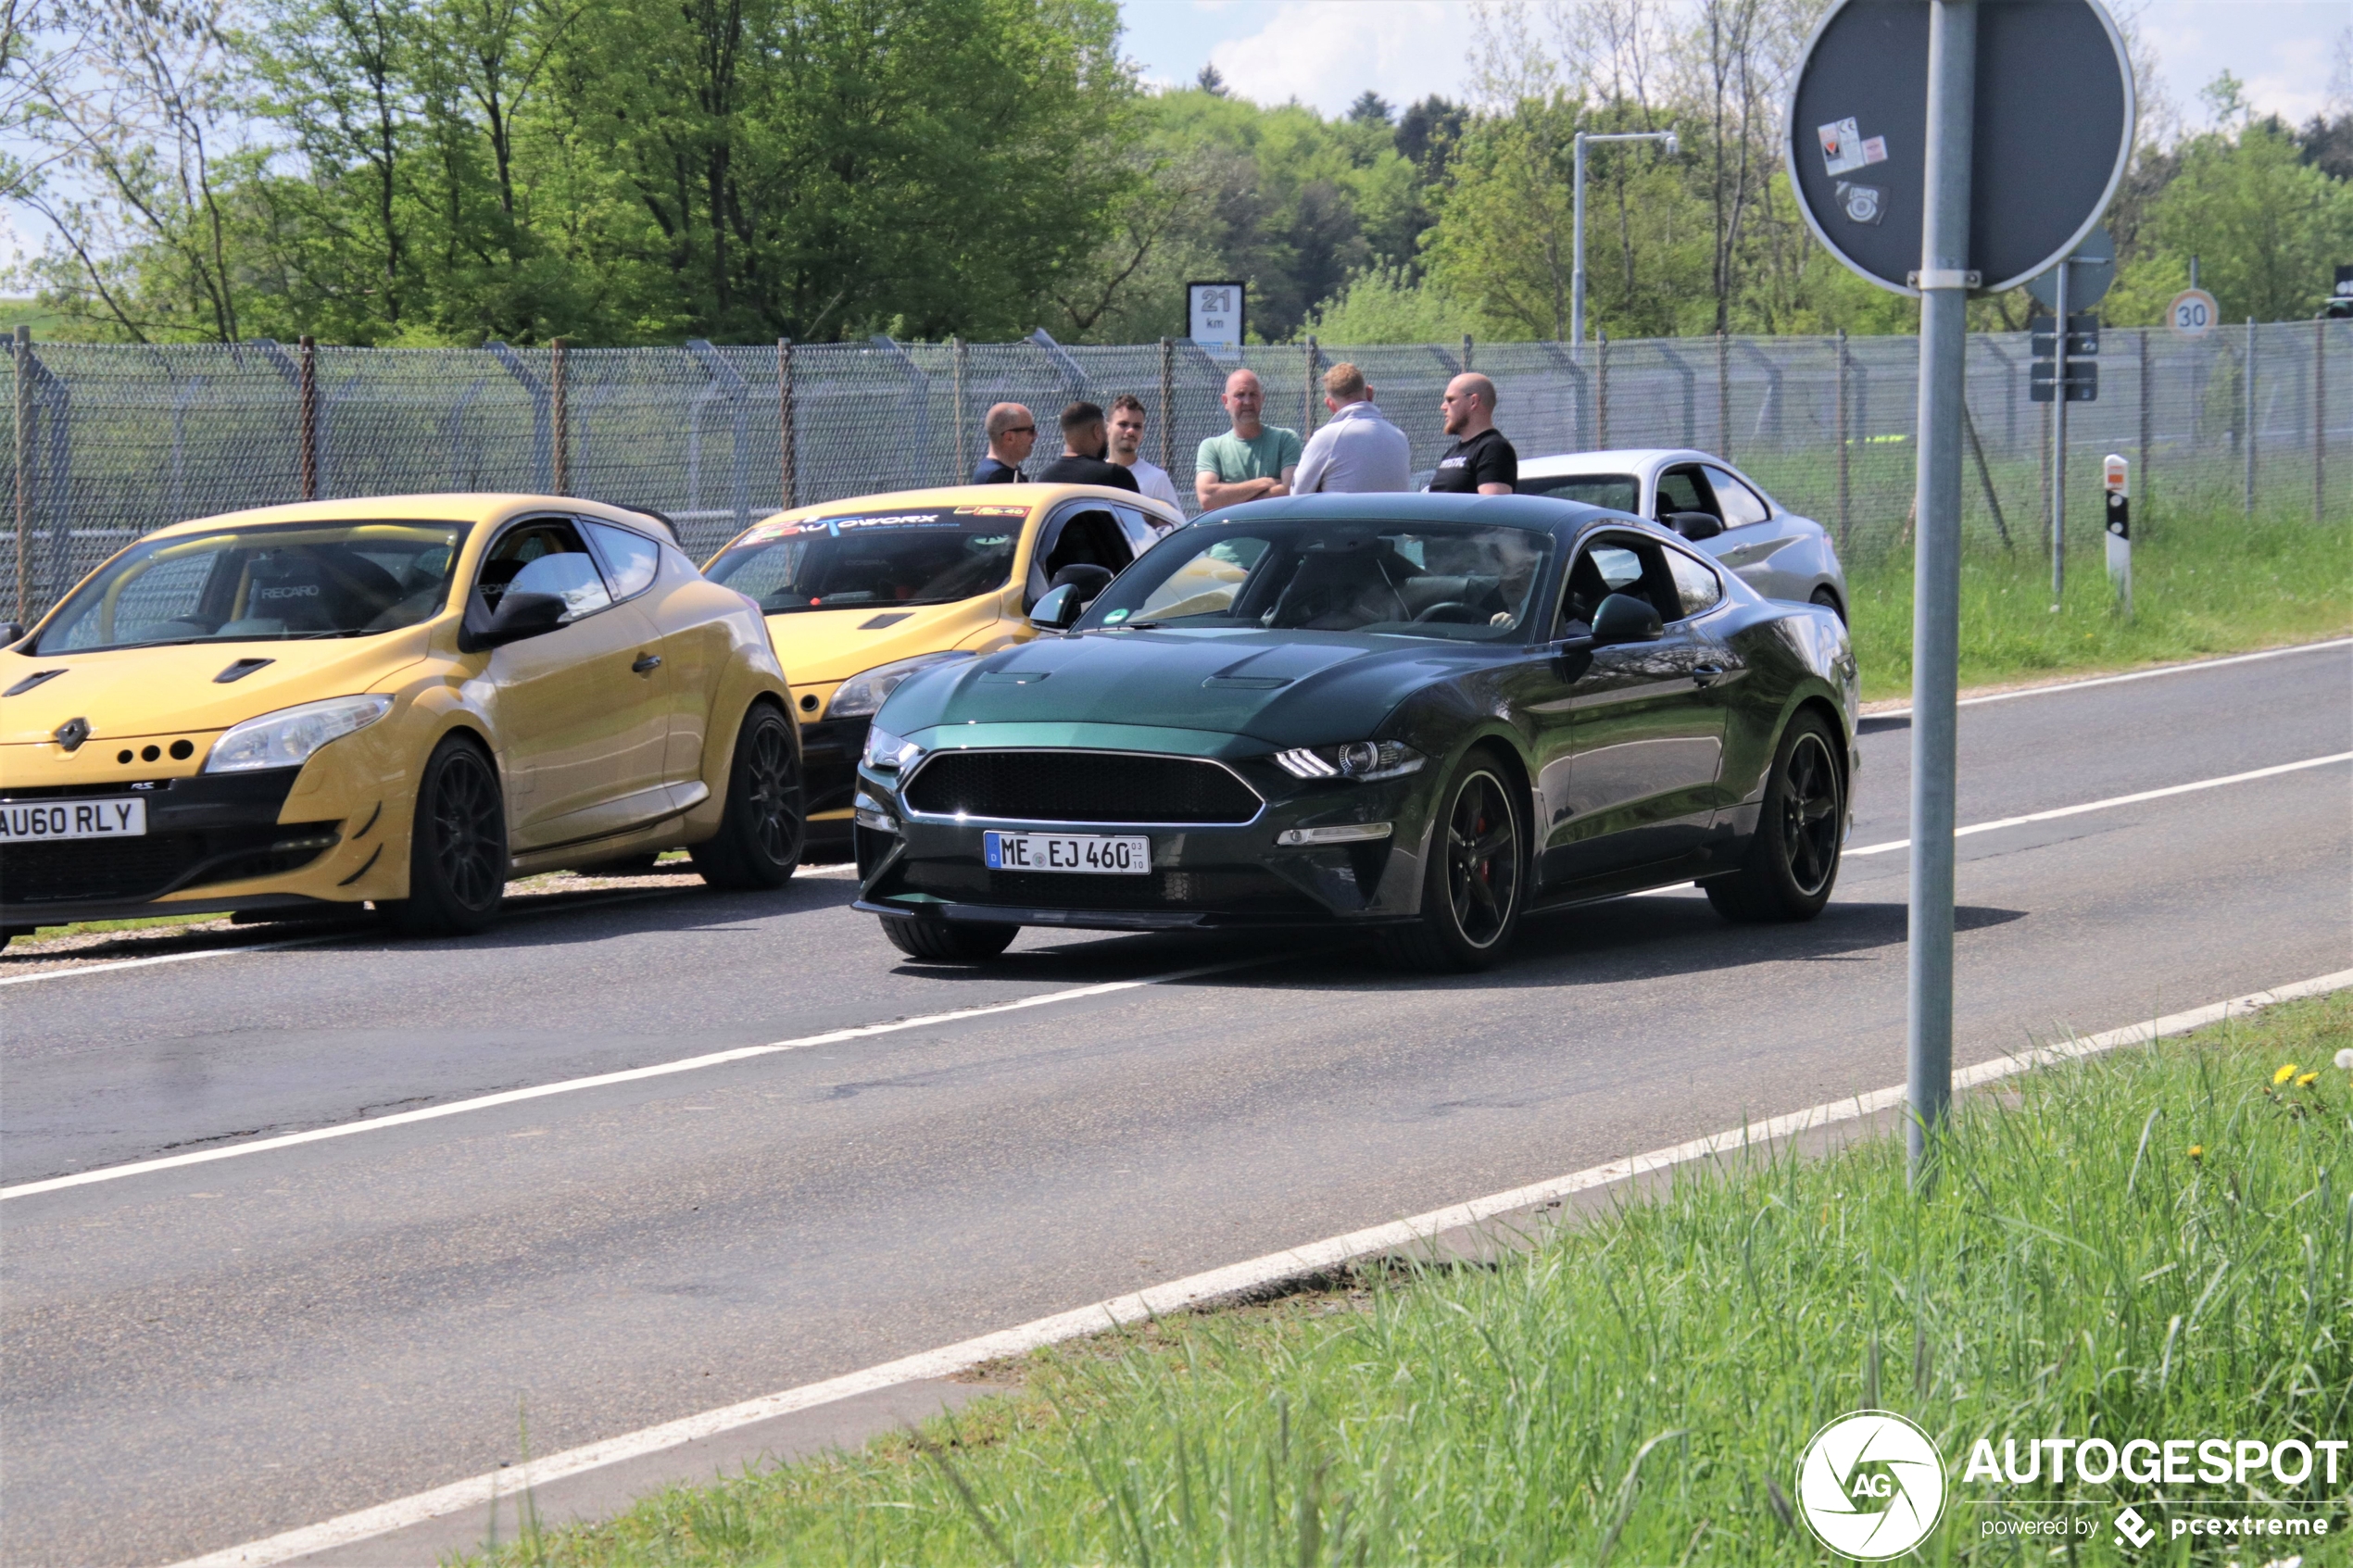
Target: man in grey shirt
point(1359, 450)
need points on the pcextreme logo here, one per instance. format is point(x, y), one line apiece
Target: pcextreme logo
point(1871, 1486)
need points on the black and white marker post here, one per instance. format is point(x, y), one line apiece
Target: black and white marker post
point(2116, 479)
point(1943, 281)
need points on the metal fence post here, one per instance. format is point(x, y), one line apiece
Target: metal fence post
point(24, 462)
point(1601, 387)
point(1723, 397)
point(2247, 446)
point(1167, 406)
point(789, 485)
point(2141, 339)
point(1845, 445)
point(2319, 418)
point(1307, 396)
point(308, 383)
point(956, 468)
point(559, 414)
point(1466, 353)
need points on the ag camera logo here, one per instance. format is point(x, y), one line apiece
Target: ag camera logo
point(1871, 1486)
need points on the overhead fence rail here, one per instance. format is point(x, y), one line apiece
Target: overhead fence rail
point(112, 440)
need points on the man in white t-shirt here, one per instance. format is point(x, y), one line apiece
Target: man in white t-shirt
point(1127, 442)
point(1360, 450)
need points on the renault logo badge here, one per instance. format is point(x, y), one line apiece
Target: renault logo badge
point(72, 733)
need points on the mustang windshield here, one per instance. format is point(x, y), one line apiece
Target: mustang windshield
point(1617, 492)
point(263, 584)
point(1461, 582)
point(932, 555)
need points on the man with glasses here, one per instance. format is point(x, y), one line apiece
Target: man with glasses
point(1011, 432)
point(1480, 462)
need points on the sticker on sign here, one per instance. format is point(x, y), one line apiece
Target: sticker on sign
point(1842, 146)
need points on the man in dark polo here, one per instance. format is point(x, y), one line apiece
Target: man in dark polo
point(1480, 462)
point(1084, 439)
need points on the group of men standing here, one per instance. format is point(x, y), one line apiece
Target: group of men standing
point(1359, 451)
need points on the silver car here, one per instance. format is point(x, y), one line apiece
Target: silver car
point(1707, 500)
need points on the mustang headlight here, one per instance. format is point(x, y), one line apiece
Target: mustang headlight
point(286, 738)
point(863, 692)
point(1363, 760)
point(887, 750)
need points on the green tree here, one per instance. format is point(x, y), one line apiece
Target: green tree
point(2267, 227)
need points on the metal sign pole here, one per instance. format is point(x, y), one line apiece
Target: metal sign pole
point(1936, 592)
point(1577, 251)
point(2058, 439)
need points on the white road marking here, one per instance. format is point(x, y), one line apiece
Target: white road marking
point(2114, 802)
point(166, 958)
point(1274, 1268)
point(627, 1075)
point(2131, 675)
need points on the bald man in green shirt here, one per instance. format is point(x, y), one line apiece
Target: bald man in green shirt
point(1251, 461)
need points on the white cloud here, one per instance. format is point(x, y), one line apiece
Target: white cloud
point(1326, 52)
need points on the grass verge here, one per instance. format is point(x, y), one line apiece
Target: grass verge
point(2155, 1242)
point(2200, 589)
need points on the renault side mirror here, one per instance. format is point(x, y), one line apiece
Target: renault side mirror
point(518, 616)
point(1089, 580)
point(1622, 618)
point(10, 632)
point(1695, 526)
point(1058, 610)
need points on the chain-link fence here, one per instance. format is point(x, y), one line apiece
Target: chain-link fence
point(111, 441)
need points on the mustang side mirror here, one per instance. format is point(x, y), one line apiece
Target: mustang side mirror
point(1695, 526)
point(520, 615)
point(10, 632)
point(1622, 618)
point(1059, 610)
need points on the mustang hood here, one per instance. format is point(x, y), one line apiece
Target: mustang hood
point(1288, 689)
point(174, 690)
point(817, 645)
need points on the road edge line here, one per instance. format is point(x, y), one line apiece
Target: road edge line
point(2123, 676)
point(1194, 1291)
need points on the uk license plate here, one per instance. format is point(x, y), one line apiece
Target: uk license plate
point(31, 821)
point(1096, 853)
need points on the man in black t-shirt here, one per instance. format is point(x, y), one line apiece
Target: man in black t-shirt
point(1084, 441)
point(1480, 462)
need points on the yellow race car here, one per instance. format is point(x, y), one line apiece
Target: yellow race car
point(860, 594)
point(402, 700)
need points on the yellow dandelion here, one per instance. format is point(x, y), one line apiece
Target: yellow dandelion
point(2308, 1080)
point(2198, 1151)
point(2285, 1073)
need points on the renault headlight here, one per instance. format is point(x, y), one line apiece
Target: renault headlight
point(1363, 760)
point(887, 750)
point(286, 738)
point(863, 692)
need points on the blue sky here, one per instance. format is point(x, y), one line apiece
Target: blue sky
point(1325, 52)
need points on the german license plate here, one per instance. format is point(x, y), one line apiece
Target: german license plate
point(1095, 853)
point(28, 822)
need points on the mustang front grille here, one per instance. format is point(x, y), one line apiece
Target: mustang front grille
point(1106, 788)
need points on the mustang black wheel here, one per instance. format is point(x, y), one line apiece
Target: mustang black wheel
point(949, 941)
point(458, 850)
point(1471, 887)
point(759, 839)
point(1793, 860)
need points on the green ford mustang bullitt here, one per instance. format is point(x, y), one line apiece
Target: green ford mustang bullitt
point(1421, 715)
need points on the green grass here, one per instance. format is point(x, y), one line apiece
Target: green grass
point(2156, 1242)
point(2199, 588)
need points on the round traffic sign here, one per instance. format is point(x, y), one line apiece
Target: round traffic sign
point(2193, 313)
point(2053, 132)
point(2090, 269)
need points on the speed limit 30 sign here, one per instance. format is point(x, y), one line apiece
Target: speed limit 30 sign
point(2193, 313)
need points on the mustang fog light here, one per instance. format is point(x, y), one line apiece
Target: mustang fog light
point(869, 812)
point(1346, 833)
point(286, 738)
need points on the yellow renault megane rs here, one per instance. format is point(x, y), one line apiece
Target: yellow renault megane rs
point(861, 593)
point(403, 700)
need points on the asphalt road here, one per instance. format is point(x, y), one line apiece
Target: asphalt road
point(204, 1355)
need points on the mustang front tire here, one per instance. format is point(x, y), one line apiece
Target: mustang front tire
point(1471, 889)
point(1793, 860)
point(458, 850)
point(949, 941)
point(759, 835)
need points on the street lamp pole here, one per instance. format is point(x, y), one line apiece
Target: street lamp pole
point(1577, 222)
